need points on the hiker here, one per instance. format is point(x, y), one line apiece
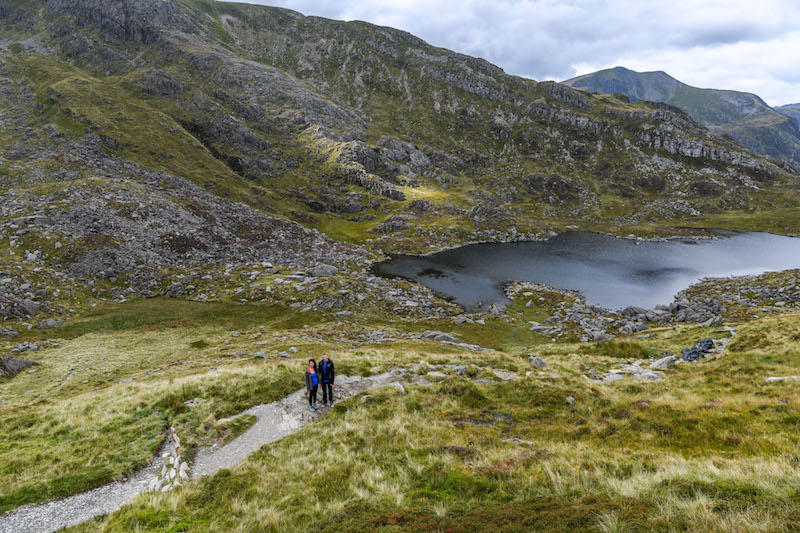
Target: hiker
point(312, 381)
point(326, 376)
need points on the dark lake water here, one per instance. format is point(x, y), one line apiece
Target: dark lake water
point(608, 271)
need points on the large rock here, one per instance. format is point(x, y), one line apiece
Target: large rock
point(322, 270)
point(697, 351)
point(668, 361)
point(391, 224)
point(12, 365)
point(537, 362)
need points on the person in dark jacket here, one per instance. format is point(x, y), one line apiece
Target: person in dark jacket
point(312, 381)
point(326, 377)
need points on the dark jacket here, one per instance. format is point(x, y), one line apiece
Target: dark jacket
point(309, 384)
point(326, 372)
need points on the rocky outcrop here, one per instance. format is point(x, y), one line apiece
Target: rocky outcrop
point(155, 219)
point(566, 94)
point(391, 224)
point(694, 148)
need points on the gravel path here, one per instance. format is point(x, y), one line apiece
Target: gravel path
point(68, 512)
point(275, 421)
point(279, 419)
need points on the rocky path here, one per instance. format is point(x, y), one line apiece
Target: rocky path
point(68, 512)
point(278, 419)
point(274, 421)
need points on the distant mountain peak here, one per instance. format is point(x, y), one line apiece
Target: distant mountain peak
point(743, 116)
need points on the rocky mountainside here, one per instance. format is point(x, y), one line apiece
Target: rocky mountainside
point(743, 116)
point(792, 111)
point(138, 134)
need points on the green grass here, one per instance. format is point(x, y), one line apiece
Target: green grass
point(705, 450)
point(712, 444)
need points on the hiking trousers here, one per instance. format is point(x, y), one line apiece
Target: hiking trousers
point(327, 393)
point(312, 395)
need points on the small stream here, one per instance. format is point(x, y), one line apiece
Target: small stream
point(608, 271)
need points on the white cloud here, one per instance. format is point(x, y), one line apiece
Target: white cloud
point(724, 44)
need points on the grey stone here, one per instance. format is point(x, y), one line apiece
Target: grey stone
point(647, 375)
point(50, 323)
point(537, 362)
point(323, 270)
point(195, 402)
point(667, 361)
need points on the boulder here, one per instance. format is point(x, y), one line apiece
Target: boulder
point(391, 224)
point(713, 321)
point(447, 337)
point(50, 323)
point(697, 351)
point(537, 362)
point(667, 361)
point(195, 402)
point(323, 270)
point(12, 365)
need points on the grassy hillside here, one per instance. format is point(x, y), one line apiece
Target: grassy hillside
point(711, 448)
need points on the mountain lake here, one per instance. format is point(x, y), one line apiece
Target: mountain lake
point(607, 271)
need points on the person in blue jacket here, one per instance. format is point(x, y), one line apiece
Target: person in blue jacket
point(312, 381)
point(326, 377)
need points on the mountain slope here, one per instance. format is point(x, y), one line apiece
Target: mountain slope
point(743, 116)
point(792, 111)
point(365, 133)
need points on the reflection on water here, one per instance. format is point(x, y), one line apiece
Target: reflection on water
point(608, 271)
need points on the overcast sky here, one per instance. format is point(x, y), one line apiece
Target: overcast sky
point(749, 46)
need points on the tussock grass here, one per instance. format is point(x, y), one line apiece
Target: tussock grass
point(711, 449)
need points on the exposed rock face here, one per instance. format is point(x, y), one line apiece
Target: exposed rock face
point(141, 21)
point(156, 82)
point(566, 94)
point(153, 219)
